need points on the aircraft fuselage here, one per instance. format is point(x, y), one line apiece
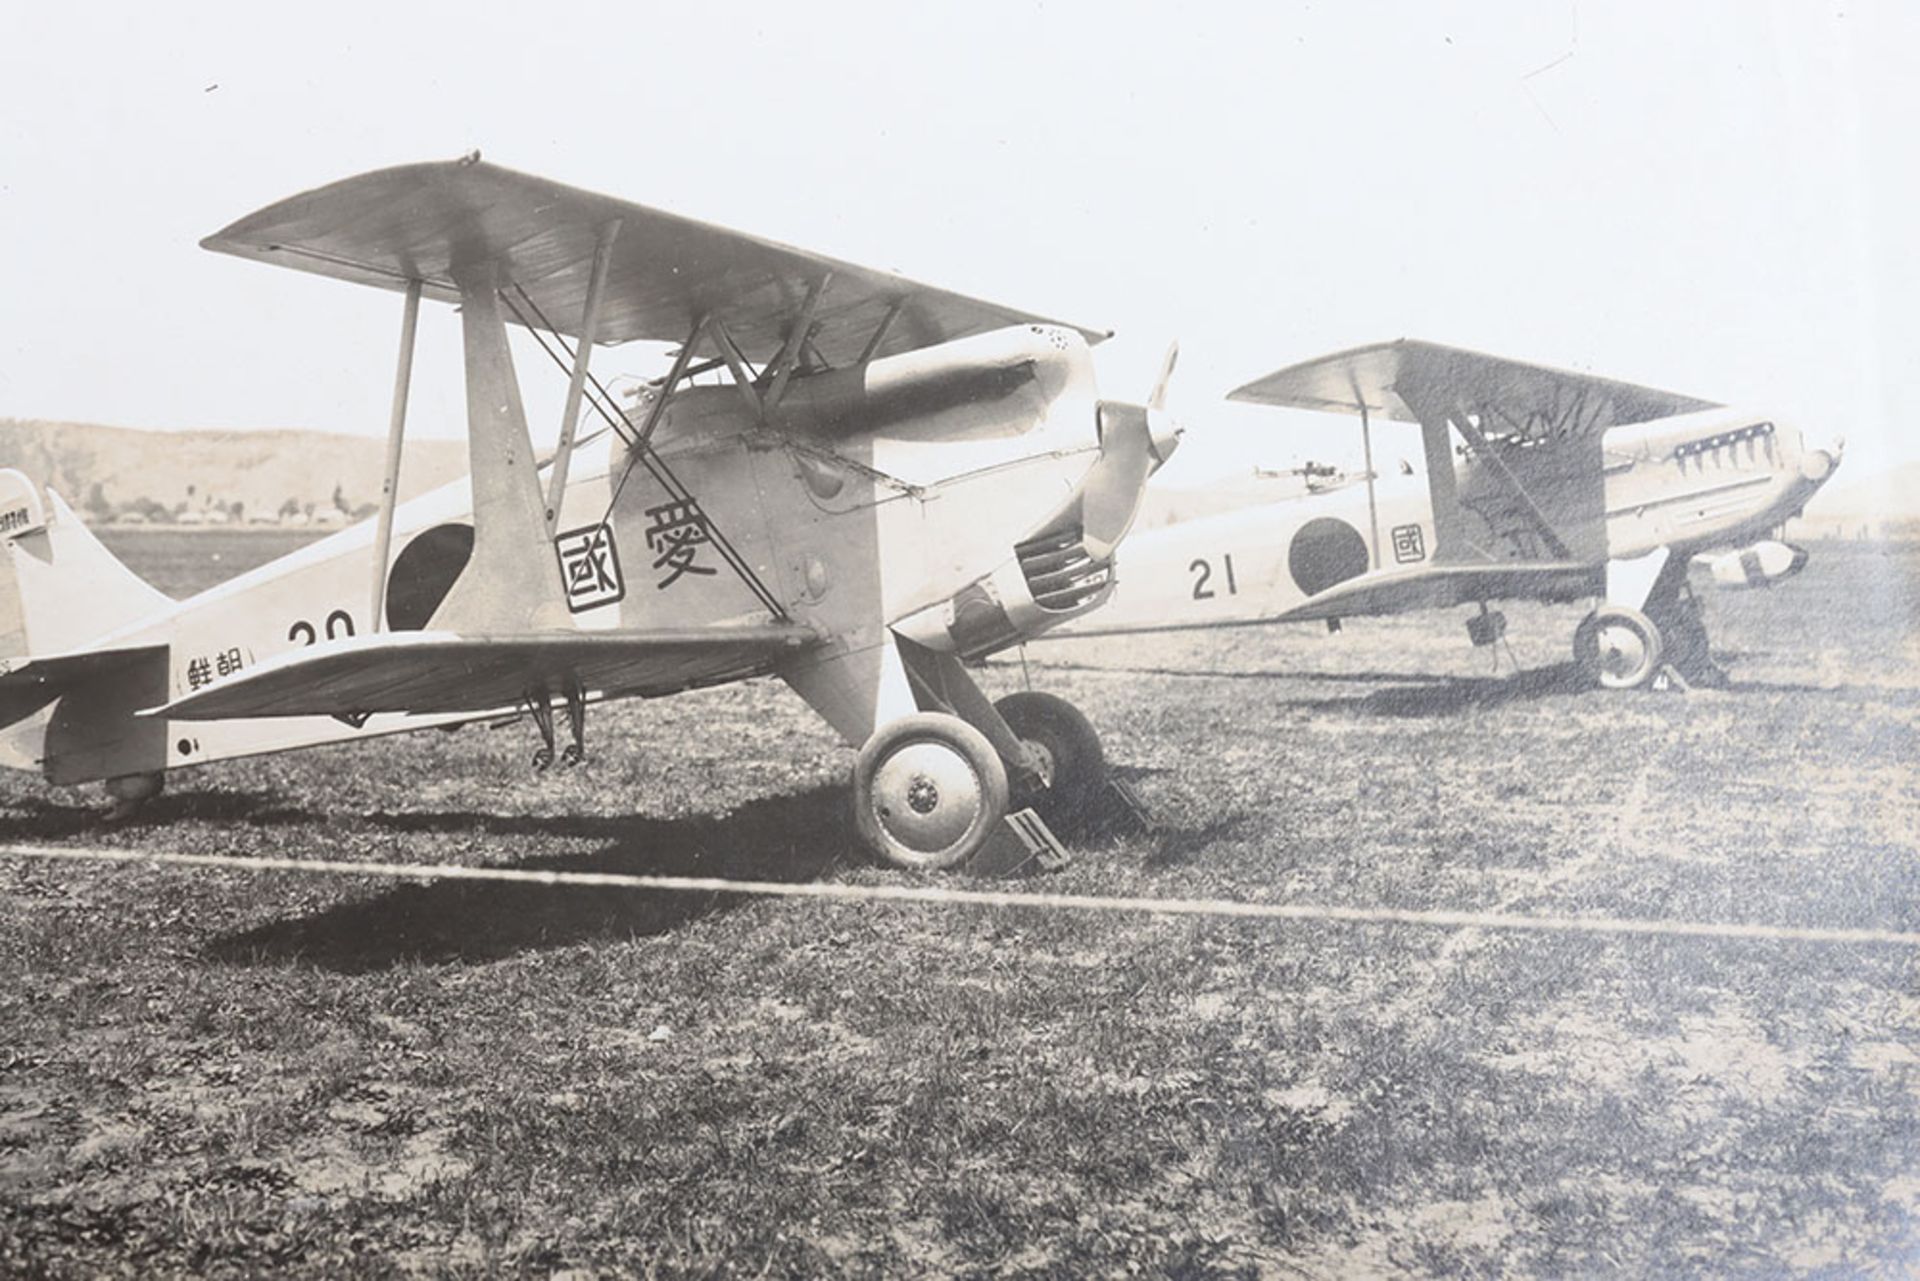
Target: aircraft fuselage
point(868, 496)
point(1692, 483)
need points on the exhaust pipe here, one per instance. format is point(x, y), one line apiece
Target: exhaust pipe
point(1065, 567)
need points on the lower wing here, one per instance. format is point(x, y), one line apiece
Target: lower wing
point(1439, 586)
point(440, 672)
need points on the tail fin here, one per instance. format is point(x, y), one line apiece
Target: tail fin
point(60, 589)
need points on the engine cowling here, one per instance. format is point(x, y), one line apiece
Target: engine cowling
point(1051, 578)
point(1065, 567)
point(1761, 565)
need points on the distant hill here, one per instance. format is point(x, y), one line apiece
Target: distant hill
point(1875, 504)
point(263, 471)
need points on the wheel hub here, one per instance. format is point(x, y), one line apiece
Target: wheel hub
point(926, 796)
point(1040, 756)
point(923, 795)
point(1622, 649)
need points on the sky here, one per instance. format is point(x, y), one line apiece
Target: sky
point(1714, 198)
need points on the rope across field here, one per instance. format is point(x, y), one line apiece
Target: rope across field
point(939, 896)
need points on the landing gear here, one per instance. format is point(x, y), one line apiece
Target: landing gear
point(540, 707)
point(1069, 772)
point(575, 753)
point(963, 780)
point(542, 712)
point(1620, 647)
point(928, 791)
point(1617, 647)
point(130, 791)
point(1683, 628)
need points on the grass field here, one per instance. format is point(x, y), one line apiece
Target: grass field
point(250, 1073)
point(181, 561)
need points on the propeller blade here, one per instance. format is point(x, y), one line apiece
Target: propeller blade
point(1111, 493)
point(1134, 441)
point(1158, 400)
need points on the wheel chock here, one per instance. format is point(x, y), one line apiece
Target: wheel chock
point(1021, 845)
point(1125, 808)
point(1668, 680)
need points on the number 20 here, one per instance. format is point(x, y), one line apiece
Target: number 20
point(339, 623)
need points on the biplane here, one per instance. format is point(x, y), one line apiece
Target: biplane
point(1538, 484)
point(846, 479)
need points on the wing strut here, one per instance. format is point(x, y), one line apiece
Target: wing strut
point(880, 334)
point(640, 450)
point(1443, 486)
point(1366, 445)
point(658, 408)
point(797, 338)
point(743, 378)
point(396, 436)
point(577, 384)
point(512, 582)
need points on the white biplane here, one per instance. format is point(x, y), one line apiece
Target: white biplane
point(1538, 484)
point(879, 481)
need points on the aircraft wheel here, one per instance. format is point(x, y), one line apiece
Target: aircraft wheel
point(1617, 647)
point(927, 791)
point(542, 758)
point(1073, 769)
point(130, 791)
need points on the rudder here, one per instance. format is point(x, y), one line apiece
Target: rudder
point(61, 590)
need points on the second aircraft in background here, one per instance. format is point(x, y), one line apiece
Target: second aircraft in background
point(1538, 484)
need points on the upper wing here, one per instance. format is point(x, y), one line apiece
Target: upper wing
point(428, 672)
point(1413, 381)
point(422, 221)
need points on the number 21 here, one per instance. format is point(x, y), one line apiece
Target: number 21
point(1204, 573)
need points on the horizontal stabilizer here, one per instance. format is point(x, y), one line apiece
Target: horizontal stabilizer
point(27, 685)
point(431, 221)
point(1412, 381)
point(439, 672)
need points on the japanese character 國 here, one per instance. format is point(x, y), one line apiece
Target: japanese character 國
point(1409, 544)
point(590, 567)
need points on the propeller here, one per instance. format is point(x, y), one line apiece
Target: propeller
point(1134, 441)
point(1158, 400)
point(1818, 462)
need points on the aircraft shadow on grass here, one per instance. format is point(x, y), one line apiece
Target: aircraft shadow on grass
point(1447, 696)
point(1408, 694)
point(1243, 674)
point(793, 839)
point(785, 838)
point(37, 818)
